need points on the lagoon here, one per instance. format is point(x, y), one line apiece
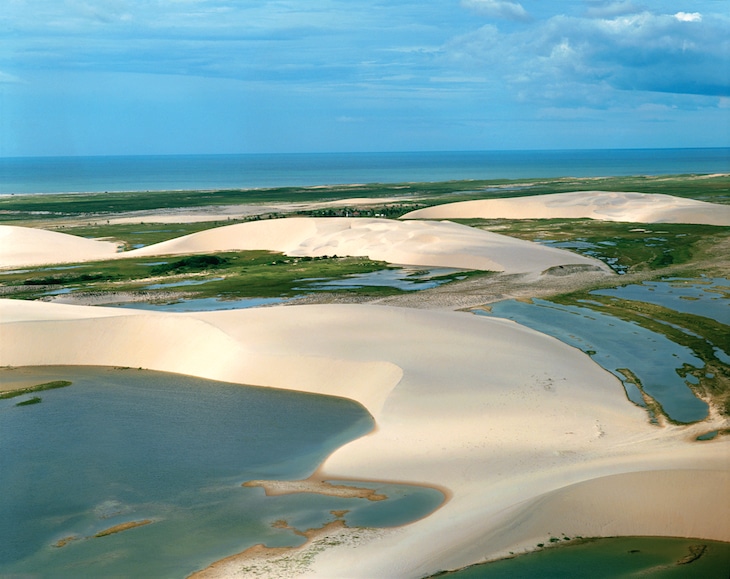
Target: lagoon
point(126, 445)
point(708, 297)
point(612, 558)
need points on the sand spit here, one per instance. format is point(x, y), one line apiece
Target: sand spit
point(312, 485)
point(407, 243)
point(601, 205)
point(26, 246)
point(530, 436)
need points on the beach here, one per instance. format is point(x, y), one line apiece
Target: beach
point(528, 437)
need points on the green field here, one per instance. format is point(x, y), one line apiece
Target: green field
point(96, 206)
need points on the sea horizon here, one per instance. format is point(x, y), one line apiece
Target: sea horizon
point(185, 172)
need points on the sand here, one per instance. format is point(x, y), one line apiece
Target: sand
point(419, 243)
point(531, 438)
point(25, 246)
point(416, 243)
point(602, 205)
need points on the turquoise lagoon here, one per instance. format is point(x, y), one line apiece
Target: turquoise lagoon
point(612, 558)
point(122, 445)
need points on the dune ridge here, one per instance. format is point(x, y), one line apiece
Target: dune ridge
point(26, 246)
point(416, 243)
point(600, 205)
point(531, 437)
point(406, 243)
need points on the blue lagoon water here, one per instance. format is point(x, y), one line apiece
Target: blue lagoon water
point(122, 445)
point(708, 297)
point(190, 172)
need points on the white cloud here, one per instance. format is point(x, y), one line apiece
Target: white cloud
point(571, 58)
point(497, 9)
point(688, 16)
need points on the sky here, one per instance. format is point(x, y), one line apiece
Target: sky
point(124, 77)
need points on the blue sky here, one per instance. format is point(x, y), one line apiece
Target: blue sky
point(85, 77)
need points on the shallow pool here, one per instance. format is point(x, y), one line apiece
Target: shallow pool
point(402, 278)
point(709, 297)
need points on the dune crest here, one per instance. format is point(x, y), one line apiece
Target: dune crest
point(600, 205)
point(27, 246)
point(418, 243)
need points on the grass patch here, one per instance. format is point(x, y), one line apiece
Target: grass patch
point(193, 263)
point(133, 235)
point(625, 247)
point(30, 401)
point(33, 389)
point(231, 275)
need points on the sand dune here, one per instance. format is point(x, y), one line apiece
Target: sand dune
point(25, 246)
point(531, 437)
point(407, 243)
point(602, 205)
point(420, 243)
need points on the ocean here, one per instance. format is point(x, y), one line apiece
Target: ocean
point(19, 175)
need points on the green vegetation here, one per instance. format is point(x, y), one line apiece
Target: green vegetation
point(193, 263)
point(133, 235)
point(226, 275)
point(34, 400)
point(626, 247)
point(32, 389)
point(97, 205)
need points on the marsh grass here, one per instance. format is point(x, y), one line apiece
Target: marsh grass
point(625, 247)
point(32, 389)
point(30, 401)
point(231, 275)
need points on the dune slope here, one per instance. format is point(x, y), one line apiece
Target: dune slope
point(26, 246)
point(601, 205)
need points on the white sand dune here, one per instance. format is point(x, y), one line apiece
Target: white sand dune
point(601, 205)
point(531, 437)
point(407, 243)
point(26, 246)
